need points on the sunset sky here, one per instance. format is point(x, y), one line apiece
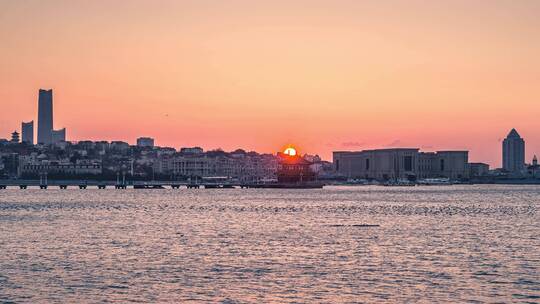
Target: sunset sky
point(322, 75)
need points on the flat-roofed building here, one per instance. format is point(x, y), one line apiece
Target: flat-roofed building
point(451, 164)
point(191, 150)
point(36, 166)
point(380, 164)
point(192, 166)
point(401, 163)
point(145, 142)
point(478, 169)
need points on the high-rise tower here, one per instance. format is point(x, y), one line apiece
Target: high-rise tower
point(45, 117)
point(513, 152)
point(27, 130)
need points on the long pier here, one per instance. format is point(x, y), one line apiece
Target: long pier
point(65, 184)
point(78, 184)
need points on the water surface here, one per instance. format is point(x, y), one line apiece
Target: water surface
point(336, 245)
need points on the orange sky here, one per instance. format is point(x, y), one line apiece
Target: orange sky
point(324, 75)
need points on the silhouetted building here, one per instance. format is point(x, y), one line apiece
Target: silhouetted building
point(294, 169)
point(119, 146)
point(15, 137)
point(27, 130)
point(145, 142)
point(45, 117)
point(58, 136)
point(191, 150)
point(478, 169)
point(534, 169)
point(513, 152)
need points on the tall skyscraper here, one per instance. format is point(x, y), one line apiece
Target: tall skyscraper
point(513, 152)
point(45, 117)
point(27, 130)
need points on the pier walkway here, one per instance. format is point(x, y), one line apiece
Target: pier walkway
point(86, 184)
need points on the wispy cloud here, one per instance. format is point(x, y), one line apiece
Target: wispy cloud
point(395, 143)
point(353, 144)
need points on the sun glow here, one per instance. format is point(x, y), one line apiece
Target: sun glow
point(290, 151)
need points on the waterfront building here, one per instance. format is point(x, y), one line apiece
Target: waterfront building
point(27, 130)
point(380, 164)
point(45, 117)
point(58, 136)
point(38, 165)
point(145, 142)
point(10, 164)
point(191, 166)
point(478, 169)
point(401, 163)
point(15, 137)
point(293, 168)
point(534, 169)
point(450, 164)
point(250, 167)
point(513, 153)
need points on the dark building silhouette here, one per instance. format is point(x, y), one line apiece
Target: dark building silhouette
point(45, 117)
point(145, 142)
point(15, 137)
point(513, 152)
point(58, 136)
point(27, 130)
point(294, 169)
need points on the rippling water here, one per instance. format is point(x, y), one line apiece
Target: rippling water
point(339, 245)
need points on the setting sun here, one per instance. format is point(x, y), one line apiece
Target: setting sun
point(290, 151)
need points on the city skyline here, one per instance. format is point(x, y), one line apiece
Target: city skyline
point(325, 76)
point(513, 152)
